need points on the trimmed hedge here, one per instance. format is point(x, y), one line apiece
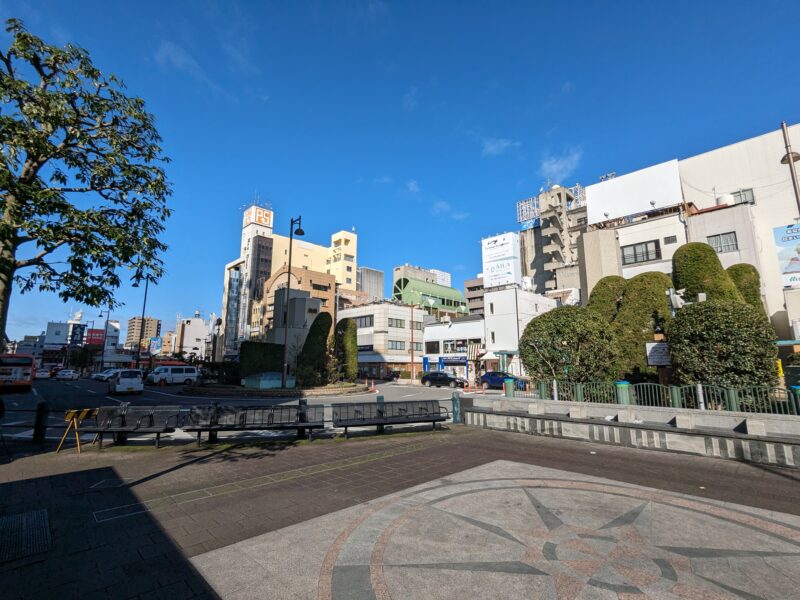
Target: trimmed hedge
point(569, 342)
point(728, 344)
point(696, 267)
point(606, 296)
point(645, 306)
point(260, 357)
point(747, 280)
point(312, 360)
point(346, 348)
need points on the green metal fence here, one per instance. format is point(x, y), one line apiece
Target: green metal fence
point(600, 391)
point(650, 394)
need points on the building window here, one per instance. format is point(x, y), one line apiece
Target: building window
point(349, 280)
point(724, 242)
point(349, 257)
point(399, 323)
point(431, 347)
point(449, 346)
point(417, 346)
point(639, 253)
point(670, 239)
point(397, 345)
point(416, 325)
point(312, 311)
point(491, 308)
point(320, 288)
point(461, 345)
point(492, 335)
point(744, 197)
point(365, 321)
point(349, 269)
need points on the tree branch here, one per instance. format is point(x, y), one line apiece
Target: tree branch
point(39, 258)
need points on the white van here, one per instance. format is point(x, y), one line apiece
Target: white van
point(126, 381)
point(166, 375)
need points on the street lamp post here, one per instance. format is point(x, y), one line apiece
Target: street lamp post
point(105, 333)
point(789, 159)
point(141, 325)
point(292, 232)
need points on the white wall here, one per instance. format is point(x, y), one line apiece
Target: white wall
point(652, 229)
point(507, 312)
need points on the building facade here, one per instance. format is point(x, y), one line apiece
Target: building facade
point(408, 271)
point(293, 324)
point(143, 330)
point(370, 281)
point(455, 346)
point(437, 299)
point(190, 337)
point(474, 291)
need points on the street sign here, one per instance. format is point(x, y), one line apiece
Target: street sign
point(658, 354)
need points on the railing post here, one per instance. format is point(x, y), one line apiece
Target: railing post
point(732, 399)
point(623, 389)
point(578, 392)
point(508, 386)
point(701, 399)
point(555, 389)
point(543, 395)
point(675, 396)
point(457, 418)
point(40, 424)
point(794, 399)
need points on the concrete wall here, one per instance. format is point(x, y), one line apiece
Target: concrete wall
point(658, 228)
point(737, 218)
point(599, 256)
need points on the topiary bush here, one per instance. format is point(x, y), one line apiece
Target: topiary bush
point(569, 342)
point(747, 280)
point(645, 306)
point(346, 348)
point(696, 267)
point(260, 357)
point(312, 361)
point(606, 296)
point(722, 343)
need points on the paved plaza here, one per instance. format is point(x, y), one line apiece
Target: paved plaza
point(460, 512)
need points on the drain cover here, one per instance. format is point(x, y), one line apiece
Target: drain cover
point(24, 534)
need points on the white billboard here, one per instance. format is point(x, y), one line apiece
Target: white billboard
point(501, 260)
point(649, 189)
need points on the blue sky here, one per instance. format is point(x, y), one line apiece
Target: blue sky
point(420, 124)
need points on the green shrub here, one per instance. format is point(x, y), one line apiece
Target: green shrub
point(696, 268)
point(747, 280)
point(571, 343)
point(645, 306)
point(346, 348)
point(722, 343)
point(606, 296)
point(260, 357)
point(312, 360)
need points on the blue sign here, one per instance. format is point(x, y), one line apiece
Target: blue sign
point(425, 364)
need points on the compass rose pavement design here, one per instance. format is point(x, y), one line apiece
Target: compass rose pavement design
point(511, 530)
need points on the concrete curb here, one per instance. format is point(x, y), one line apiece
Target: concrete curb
point(248, 393)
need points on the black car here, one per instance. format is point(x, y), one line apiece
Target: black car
point(441, 379)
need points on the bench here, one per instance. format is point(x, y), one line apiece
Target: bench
point(388, 413)
point(215, 418)
point(123, 420)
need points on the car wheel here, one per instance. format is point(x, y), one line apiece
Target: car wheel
point(187, 382)
point(452, 384)
point(427, 384)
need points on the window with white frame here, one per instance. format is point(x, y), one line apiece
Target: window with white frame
point(744, 196)
point(397, 345)
point(723, 242)
point(399, 323)
point(365, 321)
point(642, 252)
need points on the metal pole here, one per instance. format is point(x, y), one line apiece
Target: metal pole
point(285, 374)
point(105, 334)
point(413, 370)
point(141, 328)
point(792, 170)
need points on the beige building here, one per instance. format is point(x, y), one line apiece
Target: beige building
point(473, 292)
point(340, 259)
point(152, 328)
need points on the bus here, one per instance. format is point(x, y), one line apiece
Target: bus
point(17, 371)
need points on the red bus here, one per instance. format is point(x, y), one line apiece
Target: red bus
point(16, 371)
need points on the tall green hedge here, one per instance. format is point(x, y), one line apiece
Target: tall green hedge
point(260, 357)
point(606, 296)
point(569, 342)
point(722, 343)
point(346, 348)
point(644, 307)
point(696, 267)
point(747, 280)
point(312, 360)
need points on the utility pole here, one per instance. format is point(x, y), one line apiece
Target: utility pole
point(789, 159)
point(292, 233)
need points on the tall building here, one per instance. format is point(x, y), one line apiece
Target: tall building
point(370, 281)
point(473, 291)
point(430, 275)
point(152, 328)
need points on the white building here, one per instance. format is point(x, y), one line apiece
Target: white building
point(303, 309)
point(507, 312)
point(448, 345)
point(190, 336)
point(442, 277)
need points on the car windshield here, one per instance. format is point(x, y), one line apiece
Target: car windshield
point(130, 375)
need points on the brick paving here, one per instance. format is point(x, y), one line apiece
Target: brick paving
point(177, 502)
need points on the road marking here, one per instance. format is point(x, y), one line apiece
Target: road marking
point(91, 391)
point(115, 400)
point(35, 393)
point(409, 395)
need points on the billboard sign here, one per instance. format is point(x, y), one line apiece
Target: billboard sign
point(76, 334)
point(257, 215)
point(658, 354)
point(95, 337)
point(787, 243)
point(155, 346)
point(501, 260)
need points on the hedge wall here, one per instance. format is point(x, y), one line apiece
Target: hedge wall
point(606, 296)
point(747, 280)
point(260, 357)
point(696, 267)
point(312, 360)
point(346, 348)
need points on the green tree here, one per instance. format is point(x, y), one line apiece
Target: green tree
point(747, 280)
point(606, 296)
point(569, 342)
point(696, 268)
point(82, 188)
point(81, 358)
point(346, 348)
point(644, 308)
point(260, 357)
point(722, 343)
point(312, 360)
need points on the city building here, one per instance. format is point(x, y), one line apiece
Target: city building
point(408, 271)
point(168, 343)
point(437, 299)
point(552, 224)
point(500, 256)
point(473, 291)
point(302, 310)
point(370, 281)
point(137, 332)
point(507, 312)
point(442, 277)
point(31, 344)
point(55, 336)
point(455, 346)
point(739, 199)
point(190, 337)
point(321, 286)
point(390, 337)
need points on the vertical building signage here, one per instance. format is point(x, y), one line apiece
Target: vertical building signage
point(787, 242)
point(501, 260)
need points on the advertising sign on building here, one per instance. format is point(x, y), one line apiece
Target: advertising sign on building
point(155, 346)
point(258, 215)
point(787, 242)
point(76, 334)
point(501, 260)
point(95, 337)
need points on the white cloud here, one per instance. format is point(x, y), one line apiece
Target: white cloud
point(383, 179)
point(558, 168)
point(410, 101)
point(412, 186)
point(567, 87)
point(442, 208)
point(172, 56)
point(498, 146)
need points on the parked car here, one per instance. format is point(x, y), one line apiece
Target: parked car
point(495, 379)
point(42, 374)
point(104, 375)
point(441, 379)
point(67, 375)
point(126, 381)
point(166, 375)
